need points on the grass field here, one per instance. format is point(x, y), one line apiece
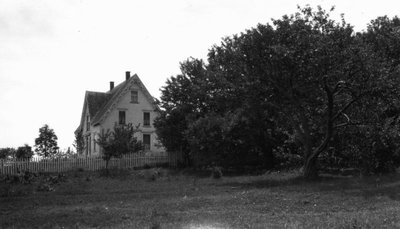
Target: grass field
point(175, 199)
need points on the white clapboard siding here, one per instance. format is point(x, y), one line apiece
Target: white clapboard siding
point(89, 164)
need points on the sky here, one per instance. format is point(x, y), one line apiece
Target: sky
point(51, 52)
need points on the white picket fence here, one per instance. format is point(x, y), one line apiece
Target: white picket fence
point(88, 164)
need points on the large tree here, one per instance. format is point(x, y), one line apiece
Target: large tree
point(306, 75)
point(183, 100)
point(46, 144)
point(317, 74)
point(204, 109)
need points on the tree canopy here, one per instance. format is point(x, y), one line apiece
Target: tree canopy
point(46, 144)
point(24, 152)
point(305, 78)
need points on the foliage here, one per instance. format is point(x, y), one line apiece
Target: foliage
point(6, 153)
point(216, 172)
point(79, 142)
point(24, 152)
point(287, 155)
point(372, 149)
point(383, 34)
point(371, 143)
point(306, 78)
point(120, 141)
point(183, 100)
point(65, 154)
point(307, 68)
point(229, 140)
point(195, 107)
point(46, 143)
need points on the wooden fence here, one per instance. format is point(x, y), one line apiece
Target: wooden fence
point(89, 164)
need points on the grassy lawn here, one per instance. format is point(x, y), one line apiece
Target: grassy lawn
point(131, 199)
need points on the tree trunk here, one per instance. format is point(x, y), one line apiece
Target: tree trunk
point(266, 149)
point(310, 169)
point(269, 159)
point(107, 171)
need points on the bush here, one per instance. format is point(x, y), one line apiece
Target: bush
point(216, 172)
point(24, 152)
point(287, 155)
point(6, 153)
point(370, 149)
point(379, 161)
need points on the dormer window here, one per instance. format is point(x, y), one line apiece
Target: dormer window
point(134, 97)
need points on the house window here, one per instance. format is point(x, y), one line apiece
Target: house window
point(121, 117)
point(146, 142)
point(134, 97)
point(87, 123)
point(146, 118)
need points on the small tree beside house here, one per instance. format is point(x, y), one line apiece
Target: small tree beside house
point(46, 144)
point(79, 142)
point(118, 142)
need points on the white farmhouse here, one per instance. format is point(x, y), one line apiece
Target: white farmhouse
point(128, 102)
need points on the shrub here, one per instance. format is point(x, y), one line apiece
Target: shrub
point(120, 141)
point(24, 152)
point(216, 172)
point(6, 153)
point(287, 157)
point(370, 149)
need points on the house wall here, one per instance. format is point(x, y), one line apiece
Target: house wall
point(93, 133)
point(134, 115)
point(84, 128)
point(85, 134)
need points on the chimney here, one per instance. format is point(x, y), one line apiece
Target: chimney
point(111, 85)
point(127, 75)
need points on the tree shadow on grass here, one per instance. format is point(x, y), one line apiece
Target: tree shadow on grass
point(207, 172)
point(368, 187)
point(261, 182)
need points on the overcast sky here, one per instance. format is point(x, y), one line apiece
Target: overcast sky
point(52, 51)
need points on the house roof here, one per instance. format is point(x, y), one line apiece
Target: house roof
point(100, 104)
point(96, 100)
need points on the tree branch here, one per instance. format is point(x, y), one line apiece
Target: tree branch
point(344, 108)
point(348, 124)
point(329, 124)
